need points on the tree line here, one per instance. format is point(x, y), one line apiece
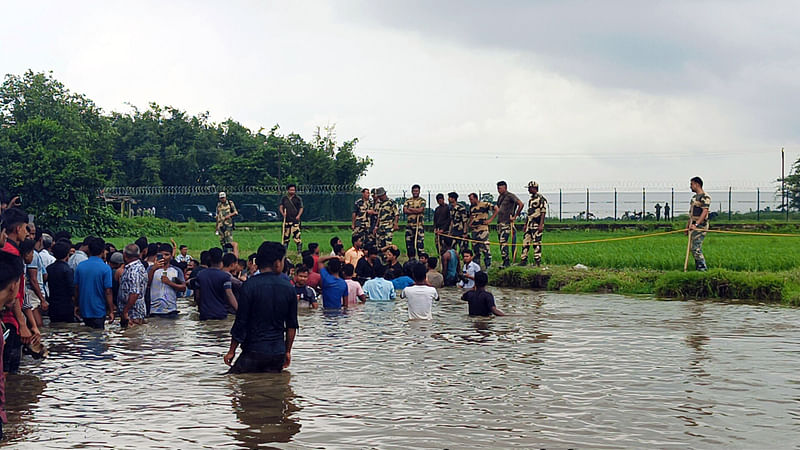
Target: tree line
point(58, 149)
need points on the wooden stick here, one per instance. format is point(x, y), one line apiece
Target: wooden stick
point(514, 240)
point(688, 249)
point(283, 232)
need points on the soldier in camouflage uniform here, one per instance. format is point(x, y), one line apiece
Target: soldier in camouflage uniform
point(387, 218)
point(291, 208)
point(478, 225)
point(226, 211)
point(534, 226)
point(506, 210)
point(360, 225)
point(698, 222)
point(414, 208)
point(458, 222)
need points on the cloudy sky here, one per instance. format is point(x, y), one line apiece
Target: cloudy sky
point(569, 93)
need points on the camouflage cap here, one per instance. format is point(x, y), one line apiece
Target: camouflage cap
point(380, 191)
point(533, 184)
point(222, 195)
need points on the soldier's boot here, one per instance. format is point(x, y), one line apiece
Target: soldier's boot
point(300, 248)
point(700, 266)
point(523, 262)
point(506, 263)
point(538, 262)
point(487, 260)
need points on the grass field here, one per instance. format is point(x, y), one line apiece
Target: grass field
point(733, 252)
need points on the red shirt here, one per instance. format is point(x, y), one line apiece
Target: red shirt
point(8, 315)
point(314, 279)
point(315, 267)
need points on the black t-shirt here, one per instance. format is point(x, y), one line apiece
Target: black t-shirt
point(441, 217)
point(480, 302)
point(305, 293)
point(267, 308)
point(61, 284)
point(292, 207)
point(396, 269)
point(213, 302)
point(365, 270)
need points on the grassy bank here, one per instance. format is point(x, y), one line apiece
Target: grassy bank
point(663, 253)
point(781, 287)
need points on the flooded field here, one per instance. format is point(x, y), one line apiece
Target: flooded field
point(561, 370)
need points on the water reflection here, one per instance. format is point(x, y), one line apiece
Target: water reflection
point(22, 395)
point(265, 405)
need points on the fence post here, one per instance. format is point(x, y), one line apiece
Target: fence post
point(758, 204)
point(587, 204)
point(672, 211)
point(615, 204)
point(644, 216)
point(559, 205)
point(425, 213)
point(730, 189)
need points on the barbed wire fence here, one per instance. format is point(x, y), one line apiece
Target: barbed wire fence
point(625, 201)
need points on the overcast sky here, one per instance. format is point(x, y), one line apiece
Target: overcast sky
point(571, 94)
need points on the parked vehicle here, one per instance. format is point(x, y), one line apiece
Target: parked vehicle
point(255, 212)
point(197, 212)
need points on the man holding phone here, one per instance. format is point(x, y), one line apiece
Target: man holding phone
point(132, 288)
point(166, 281)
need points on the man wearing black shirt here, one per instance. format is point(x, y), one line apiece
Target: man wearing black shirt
point(61, 285)
point(365, 269)
point(441, 220)
point(392, 264)
point(266, 321)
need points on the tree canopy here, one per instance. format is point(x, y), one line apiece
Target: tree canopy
point(58, 149)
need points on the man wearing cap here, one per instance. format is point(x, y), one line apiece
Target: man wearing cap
point(506, 210)
point(226, 211)
point(387, 218)
point(360, 225)
point(458, 222)
point(291, 208)
point(534, 226)
point(414, 208)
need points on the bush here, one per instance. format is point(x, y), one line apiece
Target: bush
point(105, 222)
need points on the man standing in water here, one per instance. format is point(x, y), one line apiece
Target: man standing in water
point(414, 208)
point(291, 208)
point(506, 210)
point(226, 211)
point(698, 221)
point(266, 321)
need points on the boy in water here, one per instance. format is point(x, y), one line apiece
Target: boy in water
point(306, 297)
point(379, 288)
point(354, 290)
point(420, 296)
point(469, 270)
point(481, 301)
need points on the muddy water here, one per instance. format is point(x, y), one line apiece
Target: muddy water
point(563, 370)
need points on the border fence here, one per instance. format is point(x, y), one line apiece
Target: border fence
point(335, 203)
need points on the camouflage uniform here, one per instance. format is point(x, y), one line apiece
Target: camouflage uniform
point(415, 227)
point(507, 203)
point(362, 222)
point(291, 226)
point(537, 207)
point(384, 229)
point(479, 231)
point(225, 227)
point(458, 225)
point(698, 203)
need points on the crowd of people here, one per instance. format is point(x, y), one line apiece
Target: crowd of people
point(45, 275)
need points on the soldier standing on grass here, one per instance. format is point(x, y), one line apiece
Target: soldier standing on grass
point(698, 221)
point(226, 211)
point(360, 225)
point(506, 210)
point(534, 226)
point(478, 225)
point(387, 218)
point(441, 221)
point(414, 208)
point(291, 208)
point(459, 217)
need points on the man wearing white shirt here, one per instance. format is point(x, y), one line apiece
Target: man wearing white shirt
point(420, 296)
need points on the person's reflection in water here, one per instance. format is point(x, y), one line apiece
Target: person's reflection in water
point(264, 405)
point(25, 392)
point(697, 338)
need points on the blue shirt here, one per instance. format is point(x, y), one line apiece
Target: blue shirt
point(402, 282)
point(92, 277)
point(379, 289)
point(213, 302)
point(333, 289)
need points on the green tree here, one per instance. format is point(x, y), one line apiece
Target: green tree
point(55, 147)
